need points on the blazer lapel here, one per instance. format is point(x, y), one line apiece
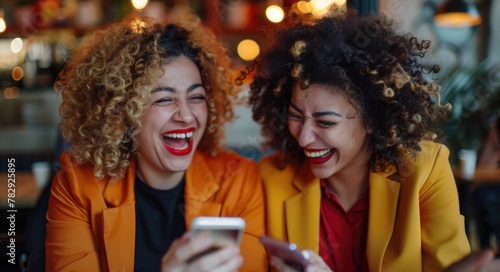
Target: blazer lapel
point(118, 222)
point(302, 211)
point(383, 203)
point(200, 190)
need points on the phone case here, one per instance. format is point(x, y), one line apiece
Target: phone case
point(287, 252)
point(222, 229)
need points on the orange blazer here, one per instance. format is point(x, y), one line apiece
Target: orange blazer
point(91, 222)
point(414, 223)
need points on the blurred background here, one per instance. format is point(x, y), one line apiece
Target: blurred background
point(37, 36)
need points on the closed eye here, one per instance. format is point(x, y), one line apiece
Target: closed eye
point(198, 98)
point(163, 101)
point(325, 124)
point(295, 117)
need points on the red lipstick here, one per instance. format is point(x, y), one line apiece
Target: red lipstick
point(180, 152)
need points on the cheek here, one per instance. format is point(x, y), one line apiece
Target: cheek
point(201, 113)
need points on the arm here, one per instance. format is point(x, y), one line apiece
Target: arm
point(443, 232)
point(70, 242)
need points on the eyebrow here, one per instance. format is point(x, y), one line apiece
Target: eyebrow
point(172, 90)
point(316, 114)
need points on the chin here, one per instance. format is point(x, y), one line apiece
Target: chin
point(322, 174)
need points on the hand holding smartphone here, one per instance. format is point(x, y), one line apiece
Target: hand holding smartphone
point(223, 230)
point(287, 252)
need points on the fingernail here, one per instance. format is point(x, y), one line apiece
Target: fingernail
point(306, 254)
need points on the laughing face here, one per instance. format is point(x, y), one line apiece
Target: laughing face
point(329, 129)
point(173, 125)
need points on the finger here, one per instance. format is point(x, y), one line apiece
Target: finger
point(314, 262)
point(492, 266)
point(281, 266)
point(472, 262)
point(173, 247)
point(194, 246)
point(212, 260)
point(231, 265)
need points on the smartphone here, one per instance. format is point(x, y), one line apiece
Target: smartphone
point(287, 252)
point(223, 230)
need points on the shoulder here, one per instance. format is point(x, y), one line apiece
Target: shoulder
point(432, 153)
point(274, 174)
point(77, 179)
point(431, 165)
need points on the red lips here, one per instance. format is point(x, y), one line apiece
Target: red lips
point(180, 152)
point(318, 160)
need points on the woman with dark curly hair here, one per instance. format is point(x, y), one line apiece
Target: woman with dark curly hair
point(346, 101)
point(143, 108)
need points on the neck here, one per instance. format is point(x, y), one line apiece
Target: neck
point(350, 185)
point(159, 180)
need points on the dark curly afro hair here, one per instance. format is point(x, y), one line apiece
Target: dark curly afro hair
point(383, 73)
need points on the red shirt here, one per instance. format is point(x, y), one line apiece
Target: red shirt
point(343, 234)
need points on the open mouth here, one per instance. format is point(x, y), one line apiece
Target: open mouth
point(318, 156)
point(317, 153)
point(178, 143)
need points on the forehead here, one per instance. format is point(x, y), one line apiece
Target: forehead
point(318, 94)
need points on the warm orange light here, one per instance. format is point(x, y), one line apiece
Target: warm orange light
point(17, 73)
point(304, 7)
point(457, 19)
point(248, 49)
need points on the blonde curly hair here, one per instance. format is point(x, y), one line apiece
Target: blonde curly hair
point(106, 87)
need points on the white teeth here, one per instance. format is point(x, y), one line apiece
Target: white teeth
point(317, 154)
point(179, 135)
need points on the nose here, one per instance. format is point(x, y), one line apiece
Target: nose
point(183, 114)
point(306, 134)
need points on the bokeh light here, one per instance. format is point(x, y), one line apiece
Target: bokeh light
point(16, 45)
point(11, 92)
point(275, 13)
point(3, 26)
point(17, 73)
point(248, 49)
point(304, 7)
point(139, 4)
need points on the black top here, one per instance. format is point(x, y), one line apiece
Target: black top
point(159, 221)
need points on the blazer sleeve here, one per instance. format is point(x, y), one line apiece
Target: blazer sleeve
point(70, 244)
point(444, 240)
point(250, 206)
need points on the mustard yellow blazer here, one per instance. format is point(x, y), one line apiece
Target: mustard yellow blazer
point(414, 220)
point(91, 222)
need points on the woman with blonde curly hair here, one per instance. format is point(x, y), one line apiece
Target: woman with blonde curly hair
point(143, 108)
point(347, 103)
